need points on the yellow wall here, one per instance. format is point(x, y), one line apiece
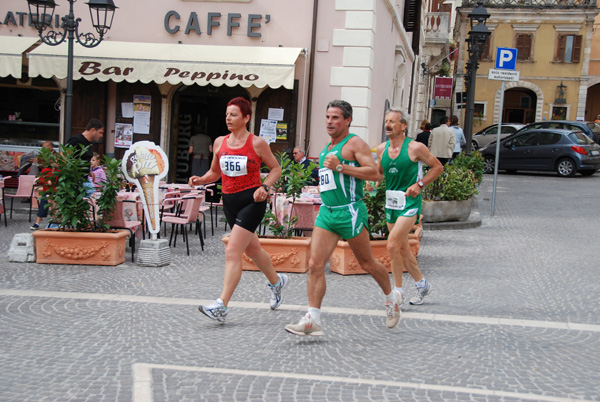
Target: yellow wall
point(542, 72)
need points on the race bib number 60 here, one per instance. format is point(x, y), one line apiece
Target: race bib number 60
point(234, 165)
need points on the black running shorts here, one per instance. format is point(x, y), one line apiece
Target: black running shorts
point(241, 209)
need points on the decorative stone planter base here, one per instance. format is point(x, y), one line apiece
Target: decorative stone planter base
point(288, 255)
point(344, 262)
point(85, 248)
point(446, 211)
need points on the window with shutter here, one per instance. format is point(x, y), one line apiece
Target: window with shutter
point(523, 45)
point(412, 14)
point(568, 49)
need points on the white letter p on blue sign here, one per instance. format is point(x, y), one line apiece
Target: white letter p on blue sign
point(506, 58)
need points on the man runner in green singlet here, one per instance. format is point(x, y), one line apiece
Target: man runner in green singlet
point(345, 163)
point(400, 161)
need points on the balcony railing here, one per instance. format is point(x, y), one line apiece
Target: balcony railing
point(437, 27)
point(532, 3)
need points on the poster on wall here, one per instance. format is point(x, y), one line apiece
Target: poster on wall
point(268, 130)
point(275, 114)
point(282, 131)
point(123, 135)
point(141, 113)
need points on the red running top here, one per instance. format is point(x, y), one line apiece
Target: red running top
point(240, 167)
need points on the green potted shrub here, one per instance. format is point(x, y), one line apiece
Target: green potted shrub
point(77, 237)
point(288, 253)
point(450, 196)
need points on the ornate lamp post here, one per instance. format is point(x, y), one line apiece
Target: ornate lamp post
point(475, 45)
point(41, 14)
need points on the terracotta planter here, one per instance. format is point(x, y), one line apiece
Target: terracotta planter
point(344, 262)
point(446, 211)
point(85, 248)
point(288, 255)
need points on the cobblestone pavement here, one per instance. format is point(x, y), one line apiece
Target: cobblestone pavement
point(513, 315)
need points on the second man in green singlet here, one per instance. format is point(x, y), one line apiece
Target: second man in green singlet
point(400, 162)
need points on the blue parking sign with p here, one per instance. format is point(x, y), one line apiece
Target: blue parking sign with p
point(506, 58)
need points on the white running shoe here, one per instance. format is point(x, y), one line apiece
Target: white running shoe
point(216, 311)
point(306, 326)
point(392, 310)
point(420, 293)
point(276, 296)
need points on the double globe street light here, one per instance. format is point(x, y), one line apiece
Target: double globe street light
point(476, 42)
point(41, 15)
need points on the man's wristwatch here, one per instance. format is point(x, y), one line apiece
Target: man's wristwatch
point(339, 168)
point(265, 187)
point(420, 183)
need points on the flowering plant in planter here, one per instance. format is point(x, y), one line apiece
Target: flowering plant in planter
point(69, 207)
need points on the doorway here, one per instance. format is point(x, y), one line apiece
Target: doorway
point(197, 109)
point(519, 106)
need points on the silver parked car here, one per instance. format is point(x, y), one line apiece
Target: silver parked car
point(488, 135)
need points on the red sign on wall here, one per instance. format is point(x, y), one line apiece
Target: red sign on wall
point(442, 88)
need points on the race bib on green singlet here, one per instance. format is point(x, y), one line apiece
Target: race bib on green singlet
point(326, 182)
point(395, 199)
point(234, 165)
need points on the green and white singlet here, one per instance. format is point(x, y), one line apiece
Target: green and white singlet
point(400, 173)
point(343, 212)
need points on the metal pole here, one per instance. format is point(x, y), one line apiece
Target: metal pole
point(497, 147)
point(70, 25)
point(470, 101)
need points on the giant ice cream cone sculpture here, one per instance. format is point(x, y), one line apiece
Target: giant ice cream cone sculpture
point(145, 164)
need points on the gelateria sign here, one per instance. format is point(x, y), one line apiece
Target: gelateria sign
point(172, 63)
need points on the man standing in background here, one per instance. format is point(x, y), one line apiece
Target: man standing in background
point(200, 149)
point(442, 141)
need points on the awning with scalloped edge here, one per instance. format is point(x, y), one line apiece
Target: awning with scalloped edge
point(11, 54)
point(172, 63)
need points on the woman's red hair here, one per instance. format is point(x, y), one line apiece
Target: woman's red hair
point(243, 104)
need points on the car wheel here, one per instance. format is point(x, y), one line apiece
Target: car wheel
point(587, 172)
point(566, 167)
point(488, 164)
point(474, 145)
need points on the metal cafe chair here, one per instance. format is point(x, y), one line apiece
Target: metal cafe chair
point(118, 221)
point(24, 190)
point(187, 207)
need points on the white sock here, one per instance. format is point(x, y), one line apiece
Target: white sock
point(390, 298)
point(421, 284)
point(315, 314)
point(399, 290)
point(221, 302)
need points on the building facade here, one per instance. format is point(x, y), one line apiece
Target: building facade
point(179, 62)
point(553, 39)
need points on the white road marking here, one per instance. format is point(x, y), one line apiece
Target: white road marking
point(142, 382)
point(466, 319)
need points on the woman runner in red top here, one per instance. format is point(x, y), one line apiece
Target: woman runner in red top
point(237, 160)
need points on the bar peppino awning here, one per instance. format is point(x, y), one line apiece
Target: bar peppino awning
point(173, 63)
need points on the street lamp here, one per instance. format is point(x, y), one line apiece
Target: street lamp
point(41, 14)
point(476, 41)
